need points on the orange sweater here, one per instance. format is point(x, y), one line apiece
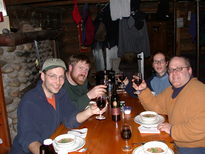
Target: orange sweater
point(186, 112)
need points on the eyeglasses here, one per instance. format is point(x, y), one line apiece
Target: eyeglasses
point(55, 77)
point(159, 61)
point(82, 68)
point(178, 69)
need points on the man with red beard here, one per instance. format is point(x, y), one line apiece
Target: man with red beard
point(76, 82)
point(159, 80)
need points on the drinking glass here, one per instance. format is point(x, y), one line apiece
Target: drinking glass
point(101, 102)
point(122, 78)
point(126, 134)
point(138, 81)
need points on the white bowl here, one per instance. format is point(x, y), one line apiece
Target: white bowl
point(65, 140)
point(148, 116)
point(153, 145)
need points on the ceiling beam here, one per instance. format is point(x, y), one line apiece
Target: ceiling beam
point(48, 2)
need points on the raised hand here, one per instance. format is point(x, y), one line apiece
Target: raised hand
point(140, 87)
point(96, 91)
point(95, 110)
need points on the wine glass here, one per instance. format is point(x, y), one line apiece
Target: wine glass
point(138, 81)
point(101, 102)
point(126, 134)
point(122, 78)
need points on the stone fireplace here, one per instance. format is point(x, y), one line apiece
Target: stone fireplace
point(34, 35)
point(20, 72)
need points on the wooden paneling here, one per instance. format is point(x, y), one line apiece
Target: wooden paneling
point(158, 36)
point(184, 39)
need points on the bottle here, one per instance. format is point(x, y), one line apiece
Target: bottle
point(115, 107)
point(105, 78)
point(110, 89)
point(47, 147)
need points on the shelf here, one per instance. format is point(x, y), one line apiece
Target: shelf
point(18, 38)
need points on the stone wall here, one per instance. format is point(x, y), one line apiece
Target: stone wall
point(19, 72)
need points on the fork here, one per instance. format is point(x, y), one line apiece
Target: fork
point(142, 143)
point(78, 131)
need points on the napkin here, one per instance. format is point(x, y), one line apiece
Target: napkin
point(121, 91)
point(79, 132)
point(143, 129)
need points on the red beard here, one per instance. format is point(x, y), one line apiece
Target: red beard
point(77, 80)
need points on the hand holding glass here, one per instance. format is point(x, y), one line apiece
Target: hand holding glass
point(138, 81)
point(122, 78)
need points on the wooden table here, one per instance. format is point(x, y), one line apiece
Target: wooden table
point(103, 136)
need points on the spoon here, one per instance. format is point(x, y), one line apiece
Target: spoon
point(78, 131)
point(82, 150)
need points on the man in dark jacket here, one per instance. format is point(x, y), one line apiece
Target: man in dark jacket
point(44, 108)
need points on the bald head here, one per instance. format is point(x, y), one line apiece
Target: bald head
point(180, 71)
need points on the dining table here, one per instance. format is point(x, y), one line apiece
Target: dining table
point(104, 136)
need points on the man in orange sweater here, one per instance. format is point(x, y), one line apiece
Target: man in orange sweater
point(184, 103)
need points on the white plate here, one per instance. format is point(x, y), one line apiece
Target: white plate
point(139, 150)
point(80, 142)
point(138, 120)
point(79, 132)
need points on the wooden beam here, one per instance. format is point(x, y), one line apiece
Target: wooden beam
point(48, 2)
point(14, 39)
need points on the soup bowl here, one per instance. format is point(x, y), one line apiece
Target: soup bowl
point(155, 147)
point(148, 116)
point(65, 140)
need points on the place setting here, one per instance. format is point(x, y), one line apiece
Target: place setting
point(149, 120)
point(152, 147)
point(74, 140)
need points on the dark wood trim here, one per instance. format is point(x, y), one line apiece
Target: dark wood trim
point(17, 38)
point(4, 128)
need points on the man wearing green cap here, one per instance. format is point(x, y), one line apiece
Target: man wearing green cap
point(44, 108)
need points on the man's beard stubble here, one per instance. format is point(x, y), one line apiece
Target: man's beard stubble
point(76, 80)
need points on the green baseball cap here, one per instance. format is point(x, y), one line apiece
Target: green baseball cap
point(53, 63)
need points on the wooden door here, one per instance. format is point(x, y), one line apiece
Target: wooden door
point(4, 129)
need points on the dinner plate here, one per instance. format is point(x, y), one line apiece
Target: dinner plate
point(80, 142)
point(139, 150)
point(138, 120)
